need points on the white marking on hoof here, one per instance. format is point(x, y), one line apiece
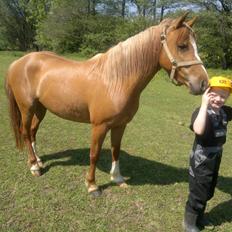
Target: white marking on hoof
point(117, 179)
point(39, 161)
point(123, 185)
point(35, 170)
point(33, 144)
point(116, 176)
point(91, 187)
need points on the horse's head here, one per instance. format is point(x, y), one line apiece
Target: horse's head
point(179, 55)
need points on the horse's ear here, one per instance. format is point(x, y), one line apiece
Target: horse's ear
point(192, 21)
point(179, 21)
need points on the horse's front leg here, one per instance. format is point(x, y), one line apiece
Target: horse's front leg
point(97, 138)
point(116, 137)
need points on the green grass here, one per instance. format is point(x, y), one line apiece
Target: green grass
point(154, 160)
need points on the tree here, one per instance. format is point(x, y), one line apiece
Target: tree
point(71, 26)
point(17, 29)
point(214, 5)
point(143, 6)
point(215, 38)
point(91, 26)
point(165, 5)
point(19, 19)
point(219, 14)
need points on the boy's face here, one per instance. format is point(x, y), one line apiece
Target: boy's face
point(219, 97)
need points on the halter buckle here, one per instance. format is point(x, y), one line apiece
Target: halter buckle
point(174, 63)
point(163, 36)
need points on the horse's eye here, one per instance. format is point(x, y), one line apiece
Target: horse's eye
point(183, 46)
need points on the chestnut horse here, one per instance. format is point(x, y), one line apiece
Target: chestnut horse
point(103, 91)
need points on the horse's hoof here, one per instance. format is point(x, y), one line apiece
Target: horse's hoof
point(35, 170)
point(95, 193)
point(123, 185)
point(119, 180)
point(93, 189)
point(36, 173)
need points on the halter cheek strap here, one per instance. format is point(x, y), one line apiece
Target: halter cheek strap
point(176, 64)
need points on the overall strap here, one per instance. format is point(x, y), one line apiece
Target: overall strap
point(224, 117)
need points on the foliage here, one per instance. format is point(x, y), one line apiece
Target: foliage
point(19, 20)
point(111, 32)
point(215, 31)
point(89, 34)
point(215, 39)
point(92, 26)
point(61, 30)
point(101, 37)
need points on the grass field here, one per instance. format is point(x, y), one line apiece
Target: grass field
point(154, 160)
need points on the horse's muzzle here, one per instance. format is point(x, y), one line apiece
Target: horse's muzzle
point(198, 89)
point(204, 85)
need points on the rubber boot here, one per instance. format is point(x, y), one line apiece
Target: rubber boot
point(190, 221)
point(204, 222)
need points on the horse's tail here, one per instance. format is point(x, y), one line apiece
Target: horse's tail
point(15, 116)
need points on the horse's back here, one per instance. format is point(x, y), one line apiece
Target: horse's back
point(64, 87)
point(28, 61)
point(25, 70)
point(32, 67)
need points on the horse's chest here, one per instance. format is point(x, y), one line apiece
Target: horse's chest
point(125, 111)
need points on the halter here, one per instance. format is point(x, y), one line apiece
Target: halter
point(176, 64)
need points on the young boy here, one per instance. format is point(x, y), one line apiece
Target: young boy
point(209, 123)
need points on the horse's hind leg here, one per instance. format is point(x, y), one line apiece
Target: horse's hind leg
point(27, 115)
point(97, 138)
point(36, 120)
point(116, 137)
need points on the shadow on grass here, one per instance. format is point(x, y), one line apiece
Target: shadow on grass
point(222, 213)
point(140, 171)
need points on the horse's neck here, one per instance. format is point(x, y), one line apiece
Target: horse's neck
point(134, 61)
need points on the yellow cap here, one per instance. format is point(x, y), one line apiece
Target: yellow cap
point(220, 81)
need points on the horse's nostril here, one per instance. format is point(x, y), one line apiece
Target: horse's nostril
point(203, 85)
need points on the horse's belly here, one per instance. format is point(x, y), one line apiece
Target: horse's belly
point(73, 116)
point(65, 100)
point(73, 112)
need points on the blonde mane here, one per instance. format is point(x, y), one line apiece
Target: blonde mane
point(136, 57)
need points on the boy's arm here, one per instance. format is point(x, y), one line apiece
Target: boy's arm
point(228, 111)
point(199, 124)
point(200, 121)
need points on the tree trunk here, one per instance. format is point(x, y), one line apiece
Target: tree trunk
point(144, 11)
point(123, 8)
point(224, 61)
point(225, 42)
point(154, 10)
point(88, 7)
point(162, 13)
point(93, 7)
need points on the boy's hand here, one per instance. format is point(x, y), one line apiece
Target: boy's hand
point(206, 97)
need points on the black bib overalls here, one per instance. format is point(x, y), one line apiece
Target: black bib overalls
point(204, 165)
